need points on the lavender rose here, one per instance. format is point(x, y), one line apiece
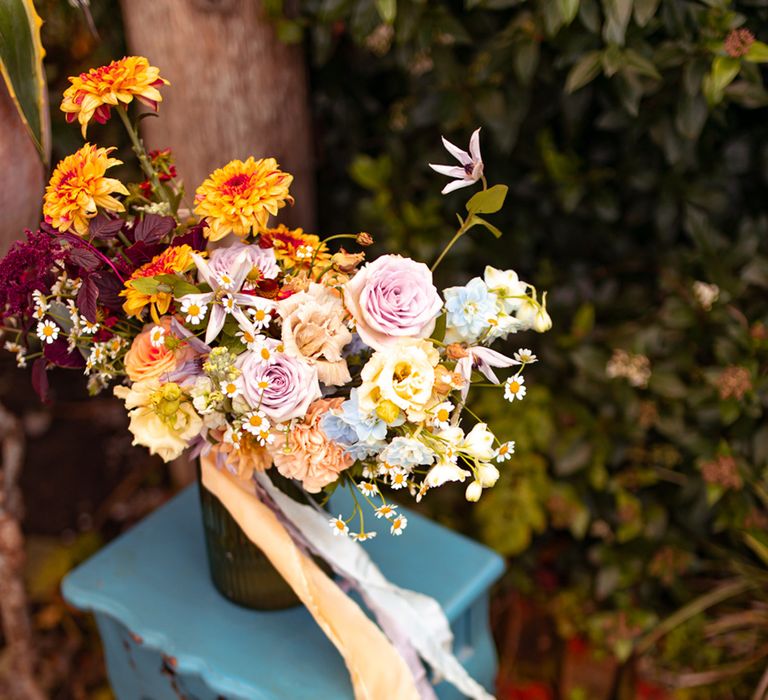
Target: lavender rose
point(392, 298)
point(292, 384)
point(263, 260)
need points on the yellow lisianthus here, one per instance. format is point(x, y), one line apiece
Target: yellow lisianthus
point(78, 187)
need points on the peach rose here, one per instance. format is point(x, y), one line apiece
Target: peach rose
point(145, 361)
point(309, 455)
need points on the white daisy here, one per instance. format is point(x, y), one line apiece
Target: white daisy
point(47, 331)
point(368, 472)
point(398, 479)
point(115, 345)
point(505, 451)
point(338, 526)
point(514, 388)
point(157, 336)
point(260, 314)
point(256, 422)
point(524, 357)
point(229, 304)
point(40, 301)
point(367, 488)
point(226, 281)
point(21, 358)
point(231, 389)
point(304, 252)
point(441, 415)
point(398, 525)
point(265, 350)
point(362, 536)
point(194, 312)
point(39, 313)
point(87, 327)
point(385, 511)
point(233, 436)
point(13, 347)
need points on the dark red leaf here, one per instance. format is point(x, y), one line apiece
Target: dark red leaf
point(40, 379)
point(140, 253)
point(109, 289)
point(153, 228)
point(58, 354)
point(105, 227)
point(87, 298)
point(194, 237)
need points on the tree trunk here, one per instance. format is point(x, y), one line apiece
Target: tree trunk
point(235, 91)
point(21, 175)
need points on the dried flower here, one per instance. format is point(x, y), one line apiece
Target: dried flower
point(636, 369)
point(734, 382)
point(737, 43)
point(722, 471)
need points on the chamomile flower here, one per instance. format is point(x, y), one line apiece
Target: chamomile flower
point(265, 350)
point(385, 511)
point(231, 389)
point(39, 313)
point(157, 336)
point(40, 301)
point(265, 437)
point(362, 536)
point(256, 422)
point(505, 451)
point(47, 331)
point(226, 280)
point(369, 472)
point(13, 347)
point(440, 416)
point(229, 304)
point(338, 526)
point(248, 336)
point(398, 479)
point(260, 313)
point(304, 252)
point(87, 327)
point(21, 358)
point(194, 311)
point(524, 357)
point(514, 388)
point(233, 436)
point(367, 488)
point(115, 345)
point(399, 523)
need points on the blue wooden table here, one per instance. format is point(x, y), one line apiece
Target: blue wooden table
point(168, 634)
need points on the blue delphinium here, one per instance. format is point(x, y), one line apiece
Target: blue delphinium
point(470, 309)
point(407, 452)
point(362, 435)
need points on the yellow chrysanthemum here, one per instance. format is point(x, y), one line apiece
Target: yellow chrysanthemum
point(78, 186)
point(93, 93)
point(294, 248)
point(170, 261)
point(240, 197)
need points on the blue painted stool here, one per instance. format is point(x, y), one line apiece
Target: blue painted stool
point(168, 634)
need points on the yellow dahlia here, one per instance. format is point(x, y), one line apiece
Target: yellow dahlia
point(240, 197)
point(170, 261)
point(78, 186)
point(92, 94)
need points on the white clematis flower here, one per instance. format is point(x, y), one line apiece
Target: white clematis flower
point(471, 168)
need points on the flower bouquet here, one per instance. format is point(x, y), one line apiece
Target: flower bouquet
point(288, 363)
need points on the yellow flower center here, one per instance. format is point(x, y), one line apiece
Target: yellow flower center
point(514, 387)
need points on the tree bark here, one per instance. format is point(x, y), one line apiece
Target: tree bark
point(21, 175)
point(235, 91)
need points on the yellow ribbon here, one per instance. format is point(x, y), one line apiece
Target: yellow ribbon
point(376, 668)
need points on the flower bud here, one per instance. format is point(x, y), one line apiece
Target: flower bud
point(347, 262)
point(487, 475)
point(542, 321)
point(387, 411)
point(474, 491)
point(364, 239)
point(455, 351)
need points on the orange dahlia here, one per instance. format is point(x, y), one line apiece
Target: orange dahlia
point(92, 94)
point(170, 261)
point(240, 197)
point(78, 186)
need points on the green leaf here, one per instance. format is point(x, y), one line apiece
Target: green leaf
point(568, 10)
point(757, 53)
point(387, 10)
point(440, 325)
point(617, 14)
point(21, 65)
point(584, 71)
point(644, 10)
point(482, 222)
point(145, 285)
point(722, 73)
point(640, 64)
point(488, 201)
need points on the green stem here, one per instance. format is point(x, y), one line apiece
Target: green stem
point(452, 242)
point(141, 154)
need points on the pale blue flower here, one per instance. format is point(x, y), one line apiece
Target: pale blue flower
point(361, 435)
point(407, 452)
point(470, 309)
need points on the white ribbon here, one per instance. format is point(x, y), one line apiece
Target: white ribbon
point(405, 615)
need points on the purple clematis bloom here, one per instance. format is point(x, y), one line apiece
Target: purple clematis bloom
point(471, 168)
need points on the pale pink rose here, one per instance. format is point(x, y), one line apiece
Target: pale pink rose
point(307, 454)
point(224, 260)
point(292, 384)
point(392, 298)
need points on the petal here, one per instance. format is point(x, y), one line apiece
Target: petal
point(449, 170)
point(457, 185)
point(205, 271)
point(462, 156)
point(474, 147)
point(215, 323)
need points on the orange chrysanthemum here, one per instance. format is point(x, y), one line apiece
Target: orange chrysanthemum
point(92, 94)
point(240, 197)
point(78, 186)
point(170, 261)
point(295, 248)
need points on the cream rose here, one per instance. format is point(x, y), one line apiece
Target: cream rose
point(314, 330)
point(162, 417)
point(403, 374)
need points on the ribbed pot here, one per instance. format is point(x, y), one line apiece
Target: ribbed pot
point(239, 569)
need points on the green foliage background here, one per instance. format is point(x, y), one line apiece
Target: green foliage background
point(634, 148)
